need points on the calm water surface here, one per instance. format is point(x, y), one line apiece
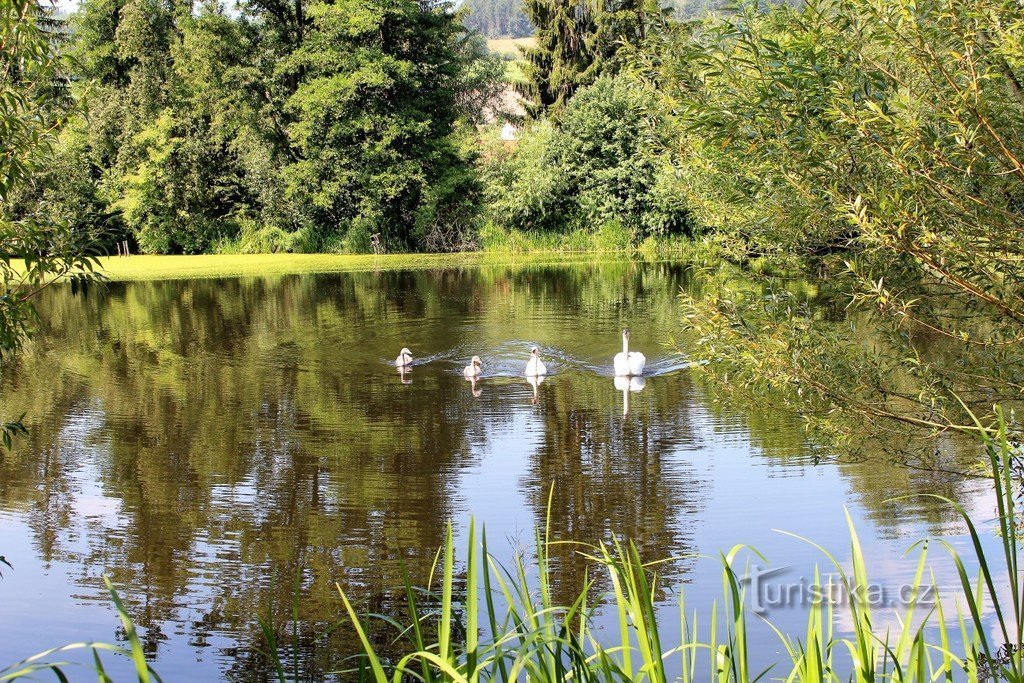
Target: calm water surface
point(207, 443)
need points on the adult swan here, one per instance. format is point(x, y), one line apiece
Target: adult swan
point(629, 363)
point(535, 366)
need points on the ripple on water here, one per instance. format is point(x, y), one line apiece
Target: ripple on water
point(508, 359)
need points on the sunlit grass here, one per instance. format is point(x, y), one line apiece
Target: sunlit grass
point(236, 265)
point(500, 248)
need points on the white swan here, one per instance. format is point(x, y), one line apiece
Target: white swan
point(629, 363)
point(535, 366)
point(404, 359)
point(474, 368)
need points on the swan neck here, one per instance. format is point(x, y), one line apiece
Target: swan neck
point(625, 345)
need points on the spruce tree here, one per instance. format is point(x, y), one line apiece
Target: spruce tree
point(578, 41)
point(620, 28)
point(560, 62)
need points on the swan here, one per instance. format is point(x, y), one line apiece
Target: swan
point(474, 367)
point(535, 366)
point(404, 359)
point(629, 363)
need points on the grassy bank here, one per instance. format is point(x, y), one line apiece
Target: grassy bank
point(232, 265)
point(516, 251)
point(214, 265)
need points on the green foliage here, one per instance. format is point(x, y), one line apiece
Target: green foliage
point(578, 41)
point(610, 237)
point(66, 192)
point(603, 163)
point(32, 110)
point(888, 127)
point(174, 199)
point(154, 158)
point(889, 134)
point(558, 64)
point(321, 123)
point(374, 117)
point(483, 94)
point(255, 238)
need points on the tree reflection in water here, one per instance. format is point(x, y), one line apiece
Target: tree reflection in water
point(206, 442)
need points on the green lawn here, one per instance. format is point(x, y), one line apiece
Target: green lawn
point(185, 267)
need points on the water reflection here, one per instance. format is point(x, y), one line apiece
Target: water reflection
point(535, 381)
point(627, 385)
point(205, 443)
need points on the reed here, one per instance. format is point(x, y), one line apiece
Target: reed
point(53, 662)
point(515, 632)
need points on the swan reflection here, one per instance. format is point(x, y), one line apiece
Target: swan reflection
point(628, 385)
point(535, 381)
point(405, 373)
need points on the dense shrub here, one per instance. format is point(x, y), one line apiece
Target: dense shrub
point(603, 161)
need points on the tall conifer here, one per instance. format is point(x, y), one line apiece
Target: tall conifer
point(560, 61)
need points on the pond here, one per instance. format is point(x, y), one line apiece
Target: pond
point(209, 443)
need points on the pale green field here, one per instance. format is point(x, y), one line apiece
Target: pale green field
point(510, 46)
point(186, 267)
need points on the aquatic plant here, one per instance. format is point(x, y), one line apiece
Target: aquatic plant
point(50, 661)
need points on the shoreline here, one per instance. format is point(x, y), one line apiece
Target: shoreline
point(162, 267)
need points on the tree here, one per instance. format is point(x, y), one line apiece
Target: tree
point(602, 164)
point(35, 253)
point(560, 61)
point(578, 41)
point(497, 18)
point(374, 120)
point(880, 141)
